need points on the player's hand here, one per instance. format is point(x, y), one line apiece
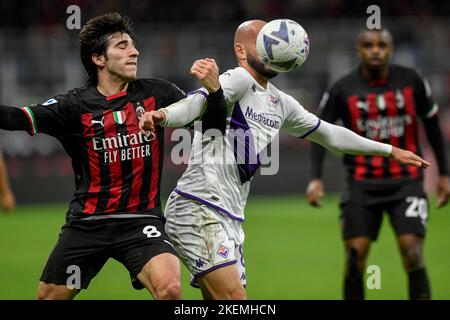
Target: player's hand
point(408, 158)
point(207, 71)
point(150, 120)
point(315, 192)
point(7, 202)
point(443, 191)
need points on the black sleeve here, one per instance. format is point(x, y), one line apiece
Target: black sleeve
point(434, 135)
point(175, 94)
point(215, 116)
point(12, 118)
point(330, 111)
point(165, 91)
point(54, 117)
point(425, 105)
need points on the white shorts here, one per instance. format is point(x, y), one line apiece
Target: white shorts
point(204, 238)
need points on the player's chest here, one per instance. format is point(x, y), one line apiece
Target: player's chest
point(116, 119)
point(381, 102)
point(259, 112)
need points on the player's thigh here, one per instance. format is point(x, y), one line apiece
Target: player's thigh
point(143, 247)
point(358, 219)
point(77, 257)
point(204, 239)
point(409, 214)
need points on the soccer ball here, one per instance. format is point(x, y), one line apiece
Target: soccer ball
point(282, 45)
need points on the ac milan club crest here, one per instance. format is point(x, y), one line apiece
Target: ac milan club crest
point(140, 111)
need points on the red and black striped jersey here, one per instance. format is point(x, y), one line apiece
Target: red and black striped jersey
point(385, 110)
point(117, 168)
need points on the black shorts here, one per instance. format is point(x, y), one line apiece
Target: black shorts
point(362, 209)
point(85, 246)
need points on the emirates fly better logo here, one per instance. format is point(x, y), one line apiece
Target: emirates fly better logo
point(122, 147)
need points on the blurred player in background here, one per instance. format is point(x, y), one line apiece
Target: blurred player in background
point(384, 102)
point(7, 200)
point(116, 209)
point(206, 210)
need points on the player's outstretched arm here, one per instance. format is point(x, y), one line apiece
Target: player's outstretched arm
point(12, 118)
point(341, 140)
point(436, 140)
point(315, 190)
point(191, 108)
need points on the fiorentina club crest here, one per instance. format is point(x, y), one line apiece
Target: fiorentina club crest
point(119, 117)
point(223, 251)
point(274, 100)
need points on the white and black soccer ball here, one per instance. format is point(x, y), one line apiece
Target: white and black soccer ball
point(282, 45)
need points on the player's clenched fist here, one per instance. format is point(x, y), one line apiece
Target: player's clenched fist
point(207, 71)
point(150, 120)
point(314, 192)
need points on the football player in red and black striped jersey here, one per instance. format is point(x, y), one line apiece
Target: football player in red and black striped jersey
point(116, 208)
point(383, 102)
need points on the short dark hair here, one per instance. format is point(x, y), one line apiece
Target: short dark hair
point(94, 39)
point(381, 30)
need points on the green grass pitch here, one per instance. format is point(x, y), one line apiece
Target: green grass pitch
point(292, 251)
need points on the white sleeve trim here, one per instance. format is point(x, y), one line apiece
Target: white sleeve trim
point(433, 111)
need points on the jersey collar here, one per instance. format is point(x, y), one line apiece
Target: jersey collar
point(377, 82)
point(116, 95)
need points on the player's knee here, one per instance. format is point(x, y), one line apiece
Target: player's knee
point(413, 258)
point(43, 293)
point(238, 294)
point(168, 290)
point(53, 292)
point(46, 292)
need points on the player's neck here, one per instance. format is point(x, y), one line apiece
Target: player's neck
point(109, 86)
point(261, 80)
point(375, 74)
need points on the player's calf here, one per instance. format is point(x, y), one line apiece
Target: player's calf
point(411, 251)
point(357, 249)
point(353, 282)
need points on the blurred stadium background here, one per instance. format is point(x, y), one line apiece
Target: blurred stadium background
point(293, 251)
